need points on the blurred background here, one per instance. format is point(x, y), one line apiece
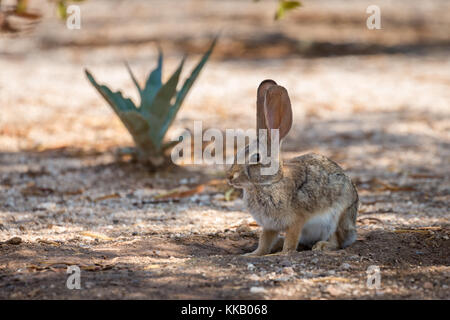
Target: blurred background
point(322, 52)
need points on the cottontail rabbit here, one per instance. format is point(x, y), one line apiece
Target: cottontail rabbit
point(309, 197)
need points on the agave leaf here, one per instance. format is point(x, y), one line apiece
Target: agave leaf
point(169, 145)
point(172, 112)
point(144, 131)
point(152, 86)
point(162, 102)
point(115, 99)
point(134, 79)
point(137, 124)
point(139, 128)
point(149, 123)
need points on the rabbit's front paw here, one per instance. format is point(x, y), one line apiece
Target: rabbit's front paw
point(251, 254)
point(321, 246)
point(256, 253)
point(280, 253)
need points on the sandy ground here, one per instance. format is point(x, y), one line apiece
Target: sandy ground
point(376, 102)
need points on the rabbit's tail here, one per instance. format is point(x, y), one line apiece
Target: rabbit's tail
point(346, 231)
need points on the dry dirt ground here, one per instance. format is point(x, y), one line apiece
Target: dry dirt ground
point(375, 101)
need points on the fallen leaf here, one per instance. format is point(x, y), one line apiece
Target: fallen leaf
point(33, 190)
point(412, 231)
point(249, 224)
point(26, 15)
point(436, 228)
point(217, 182)
point(34, 267)
point(95, 235)
point(73, 192)
point(424, 176)
point(96, 267)
point(326, 279)
point(176, 194)
point(387, 186)
point(371, 220)
point(152, 266)
point(58, 265)
point(50, 242)
point(106, 197)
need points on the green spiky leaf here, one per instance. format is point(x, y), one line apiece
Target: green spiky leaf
point(172, 112)
point(153, 84)
point(134, 79)
point(162, 102)
point(285, 6)
point(149, 122)
point(61, 9)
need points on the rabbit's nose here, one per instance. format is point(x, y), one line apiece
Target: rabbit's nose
point(232, 176)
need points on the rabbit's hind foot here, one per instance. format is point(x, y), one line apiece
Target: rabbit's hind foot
point(329, 245)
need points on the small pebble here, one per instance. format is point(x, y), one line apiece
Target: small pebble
point(283, 279)
point(257, 290)
point(288, 270)
point(345, 266)
point(47, 206)
point(243, 229)
point(334, 291)
point(14, 240)
point(428, 285)
point(254, 277)
point(286, 263)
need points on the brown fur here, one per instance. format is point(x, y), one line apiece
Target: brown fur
point(304, 187)
point(310, 197)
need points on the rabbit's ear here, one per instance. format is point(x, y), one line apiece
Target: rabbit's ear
point(277, 110)
point(260, 97)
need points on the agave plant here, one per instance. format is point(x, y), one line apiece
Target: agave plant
point(148, 123)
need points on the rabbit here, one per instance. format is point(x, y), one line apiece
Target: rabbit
point(309, 197)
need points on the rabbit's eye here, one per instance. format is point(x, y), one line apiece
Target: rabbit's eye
point(255, 158)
